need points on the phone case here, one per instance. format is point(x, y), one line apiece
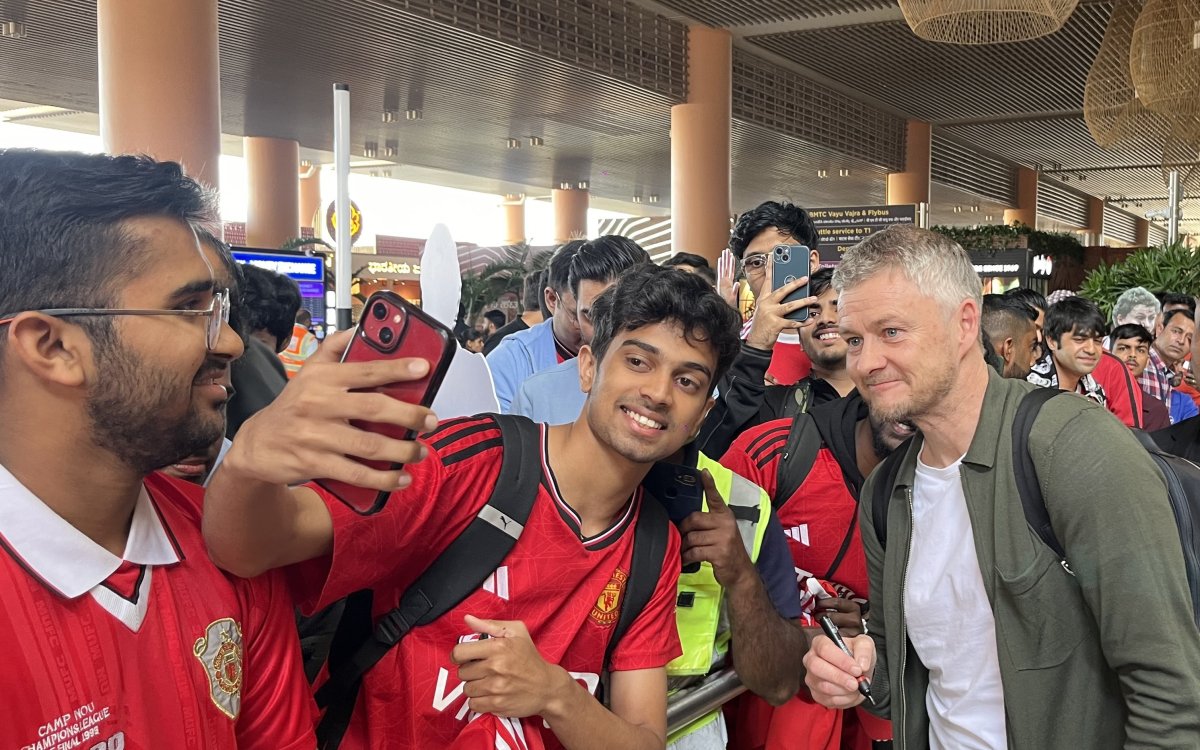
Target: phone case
point(393, 328)
point(790, 262)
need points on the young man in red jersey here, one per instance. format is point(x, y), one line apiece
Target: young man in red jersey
point(550, 608)
point(120, 632)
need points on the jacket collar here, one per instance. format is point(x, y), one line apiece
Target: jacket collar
point(994, 418)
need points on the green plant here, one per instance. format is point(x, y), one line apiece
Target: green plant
point(1170, 268)
point(296, 243)
point(484, 287)
point(993, 237)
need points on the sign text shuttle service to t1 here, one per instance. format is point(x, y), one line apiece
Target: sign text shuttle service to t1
point(842, 228)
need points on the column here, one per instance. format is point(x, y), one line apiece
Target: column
point(700, 148)
point(514, 219)
point(310, 198)
point(570, 214)
point(272, 190)
point(1025, 211)
point(160, 83)
point(912, 185)
point(1095, 227)
point(1143, 233)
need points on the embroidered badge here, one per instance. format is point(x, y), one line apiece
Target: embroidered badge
point(220, 651)
point(608, 604)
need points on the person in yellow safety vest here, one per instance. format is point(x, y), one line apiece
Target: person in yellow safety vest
point(744, 583)
point(301, 346)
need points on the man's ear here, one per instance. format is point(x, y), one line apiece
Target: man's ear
point(814, 261)
point(551, 299)
point(1008, 350)
point(587, 368)
point(50, 349)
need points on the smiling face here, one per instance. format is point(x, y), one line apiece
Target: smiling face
point(901, 352)
point(1077, 352)
point(820, 339)
point(157, 395)
point(650, 392)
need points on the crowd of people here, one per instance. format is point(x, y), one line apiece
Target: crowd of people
point(671, 498)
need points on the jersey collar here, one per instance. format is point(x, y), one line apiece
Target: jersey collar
point(60, 555)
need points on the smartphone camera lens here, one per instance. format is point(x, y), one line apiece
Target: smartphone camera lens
point(386, 335)
point(379, 310)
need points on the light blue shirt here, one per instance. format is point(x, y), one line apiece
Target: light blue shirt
point(520, 355)
point(551, 396)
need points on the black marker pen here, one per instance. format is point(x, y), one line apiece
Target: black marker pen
point(864, 685)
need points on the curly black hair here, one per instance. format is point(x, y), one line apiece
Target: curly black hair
point(269, 303)
point(789, 219)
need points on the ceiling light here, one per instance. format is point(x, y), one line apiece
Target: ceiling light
point(414, 114)
point(370, 150)
point(654, 199)
point(390, 115)
point(821, 173)
point(974, 209)
point(958, 209)
point(536, 141)
point(843, 173)
point(305, 163)
point(987, 218)
point(390, 151)
point(637, 199)
point(13, 30)
point(583, 185)
point(512, 143)
point(564, 186)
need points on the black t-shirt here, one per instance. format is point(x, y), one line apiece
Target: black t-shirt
point(494, 340)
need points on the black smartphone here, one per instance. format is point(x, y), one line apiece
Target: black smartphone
point(392, 328)
point(680, 490)
point(790, 262)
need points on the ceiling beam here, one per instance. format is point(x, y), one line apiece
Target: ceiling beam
point(834, 20)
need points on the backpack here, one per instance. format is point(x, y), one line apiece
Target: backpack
point(1182, 477)
point(804, 442)
point(785, 402)
point(357, 644)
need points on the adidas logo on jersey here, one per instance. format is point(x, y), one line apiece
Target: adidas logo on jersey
point(798, 534)
point(497, 583)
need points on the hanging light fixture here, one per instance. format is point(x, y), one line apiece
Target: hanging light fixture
point(985, 21)
point(1164, 63)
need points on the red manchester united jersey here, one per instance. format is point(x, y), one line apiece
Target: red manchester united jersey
point(155, 650)
point(567, 589)
point(817, 518)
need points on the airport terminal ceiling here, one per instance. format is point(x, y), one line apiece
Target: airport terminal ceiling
point(585, 89)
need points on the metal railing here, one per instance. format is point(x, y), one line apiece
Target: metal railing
point(700, 700)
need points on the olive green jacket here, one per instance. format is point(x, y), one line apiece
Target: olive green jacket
point(1107, 658)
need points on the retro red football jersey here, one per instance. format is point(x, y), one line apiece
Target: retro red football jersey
point(157, 650)
point(567, 589)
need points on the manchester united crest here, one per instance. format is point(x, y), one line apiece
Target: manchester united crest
point(220, 651)
point(608, 604)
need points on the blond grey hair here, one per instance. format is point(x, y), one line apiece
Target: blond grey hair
point(934, 263)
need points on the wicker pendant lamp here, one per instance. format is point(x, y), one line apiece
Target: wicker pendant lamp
point(1182, 146)
point(1110, 105)
point(985, 21)
point(1164, 63)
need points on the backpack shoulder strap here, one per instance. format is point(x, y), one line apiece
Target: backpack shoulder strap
point(798, 398)
point(1032, 501)
point(799, 455)
point(887, 472)
point(449, 579)
point(649, 549)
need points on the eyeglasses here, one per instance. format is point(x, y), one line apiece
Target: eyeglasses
point(217, 312)
point(754, 263)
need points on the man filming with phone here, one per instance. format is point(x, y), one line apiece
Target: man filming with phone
point(549, 610)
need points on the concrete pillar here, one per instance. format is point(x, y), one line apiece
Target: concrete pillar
point(912, 185)
point(1095, 227)
point(570, 214)
point(1143, 233)
point(1025, 211)
point(514, 220)
point(160, 82)
point(310, 199)
point(700, 147)
point(272, 190)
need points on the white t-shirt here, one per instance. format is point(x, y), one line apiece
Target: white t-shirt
point(950, 622)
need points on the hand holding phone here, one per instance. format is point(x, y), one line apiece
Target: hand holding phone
point(783, 302)
point(789, 264)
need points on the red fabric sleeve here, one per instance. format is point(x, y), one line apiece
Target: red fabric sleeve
point(278, 712)
point(652, 640)
point(789, 364)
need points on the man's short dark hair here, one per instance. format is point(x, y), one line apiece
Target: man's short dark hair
point(304, 317)
point(531, 291)
point(63, 239)
point(558, 273)
point(789, 219)
point(686, 259)
point(1178, 298)
point(604, 259)
point(1036, 300)
point(648, 294)
point(1130, 331)
point(1005, 317)
point(232, 269)
point(1169, 315)
point(496, 318)
point(820, 282)
point(1074, 314)
point(269, 303)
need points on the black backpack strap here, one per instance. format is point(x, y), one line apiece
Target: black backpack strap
point(449, 579)
point(887, 472)
point(799, 455)
point(1032, 501)
point(649, 550)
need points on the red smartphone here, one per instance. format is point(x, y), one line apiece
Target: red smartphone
point(392, 328)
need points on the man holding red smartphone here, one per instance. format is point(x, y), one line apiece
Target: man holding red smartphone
point(549, 609)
